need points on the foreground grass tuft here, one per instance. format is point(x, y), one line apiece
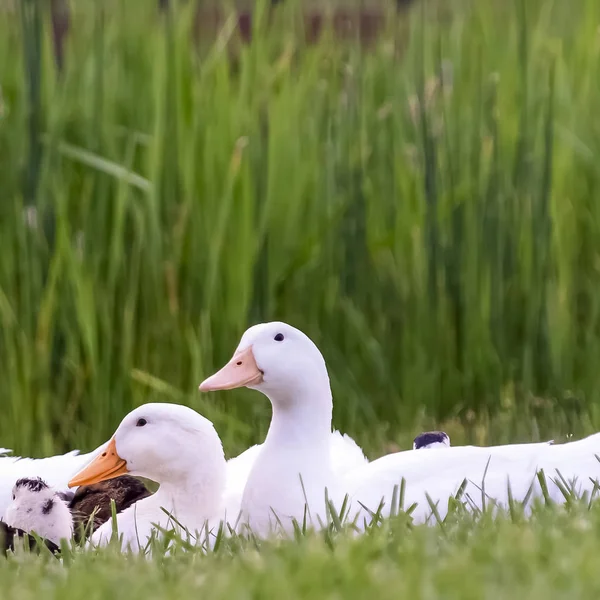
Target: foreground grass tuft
point(551, 555)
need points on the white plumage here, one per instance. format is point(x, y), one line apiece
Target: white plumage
point(294, 465)
point(54, 470)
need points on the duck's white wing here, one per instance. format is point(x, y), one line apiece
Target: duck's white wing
point(56, 471)
point(238, 467)
point(238, 470)
point(439, 474)
point(346, 454)
point(578, 462)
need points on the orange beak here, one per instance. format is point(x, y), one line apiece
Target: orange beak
point(241, 370)
point(107, 465)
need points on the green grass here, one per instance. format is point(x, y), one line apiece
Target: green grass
point(429, 219)
point(552, 555)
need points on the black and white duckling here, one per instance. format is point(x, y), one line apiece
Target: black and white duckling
point(36, 507)
point(431, 439)
point(54, 515)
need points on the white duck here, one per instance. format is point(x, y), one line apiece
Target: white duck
point(54, 470)
point(178, 449)
point(285, 365)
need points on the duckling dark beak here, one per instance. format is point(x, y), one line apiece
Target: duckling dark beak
point(107, 465)
point(241, 370)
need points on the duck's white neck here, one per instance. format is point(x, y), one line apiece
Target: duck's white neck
point(294, 465)
point(203, 500)
point(301, 419)
point(195, 487)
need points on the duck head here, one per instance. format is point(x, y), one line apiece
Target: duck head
point(278, 360)
point(167, 443)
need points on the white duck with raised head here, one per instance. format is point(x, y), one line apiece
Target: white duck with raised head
point(294, 465)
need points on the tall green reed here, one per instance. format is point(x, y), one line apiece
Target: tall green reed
point(429, 219)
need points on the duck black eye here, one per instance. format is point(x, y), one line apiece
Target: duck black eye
point(14, 497)
point(279, 337)
point(141, 422)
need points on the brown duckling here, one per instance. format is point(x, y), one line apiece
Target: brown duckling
point(124, 490)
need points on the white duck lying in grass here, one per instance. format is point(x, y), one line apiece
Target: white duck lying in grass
point(178, 449)
point(294, 464)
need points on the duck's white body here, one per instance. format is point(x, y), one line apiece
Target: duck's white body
point(187, 510)
point(180, 450)
point(488, 471)
point(345, 455)
point(285, 365)
point(54, 470)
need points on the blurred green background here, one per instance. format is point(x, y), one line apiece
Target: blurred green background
point(425, 206)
